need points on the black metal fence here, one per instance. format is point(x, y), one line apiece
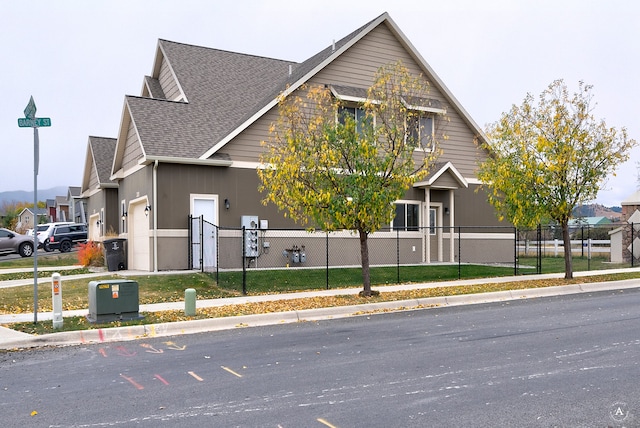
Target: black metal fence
point(236, 255)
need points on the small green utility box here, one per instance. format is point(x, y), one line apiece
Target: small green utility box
point(113, 300)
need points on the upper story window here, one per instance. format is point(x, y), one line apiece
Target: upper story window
point(356, 113)
point(421, 130)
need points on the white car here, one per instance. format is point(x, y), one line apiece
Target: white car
point(44, 231)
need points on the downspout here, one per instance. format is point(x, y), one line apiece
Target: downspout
point(155, 216)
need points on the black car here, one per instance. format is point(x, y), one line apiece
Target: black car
point(65, 236)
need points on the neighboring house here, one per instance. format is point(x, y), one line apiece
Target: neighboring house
point(99, 191)
point(62, 209)
point(190, 145)
point(25, 219)
point(631, 235)
point(51, 210)
point(589, 221)
point(77, 205)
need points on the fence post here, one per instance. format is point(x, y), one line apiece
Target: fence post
point(217, 228)
point(459, 253)
point(539, 252)
point(398, 255)
point(201, 231)
point(327, 255)
point(515, 251)
point(244, 267)
point(190, 245)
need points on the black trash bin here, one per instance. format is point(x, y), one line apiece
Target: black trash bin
point(115, 253)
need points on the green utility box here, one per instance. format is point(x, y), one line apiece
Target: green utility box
point(113, 300)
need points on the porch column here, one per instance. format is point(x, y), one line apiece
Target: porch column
point(427, 223)
point(452, 241)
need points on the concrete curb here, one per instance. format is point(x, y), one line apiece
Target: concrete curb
point(23, 340)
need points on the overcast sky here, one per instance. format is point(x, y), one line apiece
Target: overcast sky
point(80, 58)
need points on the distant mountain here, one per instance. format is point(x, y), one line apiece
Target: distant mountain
point(27, 196)
point(597, 210)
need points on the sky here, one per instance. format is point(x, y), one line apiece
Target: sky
point(78, 59)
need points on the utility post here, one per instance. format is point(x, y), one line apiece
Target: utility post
point(31, 121)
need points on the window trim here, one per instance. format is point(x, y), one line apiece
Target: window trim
point(414, 227)
point(420, 146)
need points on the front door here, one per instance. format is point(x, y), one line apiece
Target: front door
point(139, 257)
point(204, 206)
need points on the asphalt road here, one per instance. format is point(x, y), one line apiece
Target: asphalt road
point(567, 361)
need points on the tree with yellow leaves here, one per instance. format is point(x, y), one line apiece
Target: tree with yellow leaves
point(341, 168)
point(548, 158)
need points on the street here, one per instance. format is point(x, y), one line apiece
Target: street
point(566, 361)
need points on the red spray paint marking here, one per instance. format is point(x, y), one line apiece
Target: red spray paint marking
point(101, 335)
point(133, 382)
point(103, 352)
point(161, 379)
point(124, 352)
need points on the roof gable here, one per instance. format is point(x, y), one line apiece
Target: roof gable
point(312, 66)
point(98, 162)
point(225, 92)
point(444, 176)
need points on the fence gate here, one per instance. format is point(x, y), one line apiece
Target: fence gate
point(203, 248)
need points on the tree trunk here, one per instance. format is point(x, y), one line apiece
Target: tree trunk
point(364, 254)
point(568, 261)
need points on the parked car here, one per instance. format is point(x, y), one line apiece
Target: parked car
point(12, 242)
point(65, 236)
point(44, 231)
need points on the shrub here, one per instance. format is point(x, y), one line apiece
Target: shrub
point(90, 254)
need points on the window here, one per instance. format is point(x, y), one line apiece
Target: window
point(356, 113)
point(407, 217)
point(421, 132)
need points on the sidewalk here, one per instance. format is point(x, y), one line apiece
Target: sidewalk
point(10, 339)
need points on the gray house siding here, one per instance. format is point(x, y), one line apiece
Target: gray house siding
point(168, 82)
point(178, 184)
point(132, 150)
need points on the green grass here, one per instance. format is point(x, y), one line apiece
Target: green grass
point(44, 260)
point(285, 280)
point(81, 323)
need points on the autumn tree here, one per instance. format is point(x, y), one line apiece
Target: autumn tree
point(340, 168)
point(548, 158)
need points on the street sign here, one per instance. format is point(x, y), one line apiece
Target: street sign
point(36, 122)
point(30, 110)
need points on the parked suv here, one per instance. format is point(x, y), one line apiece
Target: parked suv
point(65, 236)
point(44, 231)
point(12, 242)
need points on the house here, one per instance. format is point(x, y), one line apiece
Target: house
point(51, 210)
point(76, 205)
point(189, 145)
point(589, 222)
point(62, 208)
point(26, 217)
point(99, 191)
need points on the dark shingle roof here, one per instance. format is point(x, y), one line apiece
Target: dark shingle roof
point(103, 150)
point(155, 88)
point(221, 88)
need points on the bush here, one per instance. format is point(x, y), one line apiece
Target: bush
point(90, 254)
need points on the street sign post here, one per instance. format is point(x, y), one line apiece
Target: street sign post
point(31, 121)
